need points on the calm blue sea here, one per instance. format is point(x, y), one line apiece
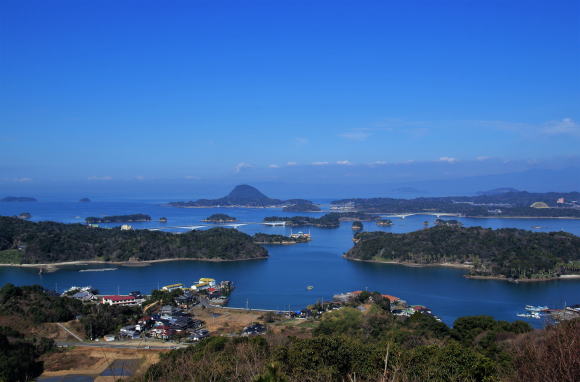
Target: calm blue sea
point(280, 281)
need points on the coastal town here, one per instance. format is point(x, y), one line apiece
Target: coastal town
point(179, 314)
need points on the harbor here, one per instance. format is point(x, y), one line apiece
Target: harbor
point(180, 314)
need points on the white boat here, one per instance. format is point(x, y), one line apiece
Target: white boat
point(529, 315)
point(532, 308)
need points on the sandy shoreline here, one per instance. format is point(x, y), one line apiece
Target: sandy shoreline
point(447, 265)
point(502, 278)
point(450, 215)
point(524, 217)
point(144, 263)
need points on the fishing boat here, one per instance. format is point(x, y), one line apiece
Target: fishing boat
point(532, 308)
point(529, 315)
point(309, 287)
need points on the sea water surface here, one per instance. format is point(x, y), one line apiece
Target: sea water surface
point(280, 281)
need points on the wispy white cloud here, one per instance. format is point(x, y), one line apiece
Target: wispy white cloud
point(344, 163)
point(415, 129)
point(139, 177)
point(448, 159)
point(23, 180)
point(566, 126)
point(358, 135)
point(563, 127)
point(301, 140)
point(100, 178)
point(273, 166)
point(240, 166)
point(481, 158)
point(377, 163)
point(191, 177)
point(319, 163)
point(291, 164)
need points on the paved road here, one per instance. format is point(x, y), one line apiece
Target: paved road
point(120, 346)
point(69, 332)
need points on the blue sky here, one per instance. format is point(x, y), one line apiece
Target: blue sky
point(214, 91)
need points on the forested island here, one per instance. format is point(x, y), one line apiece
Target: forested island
point(263, 238)
point(326, 221)
point(300, 205)
point(504, 253)
point(330, 220)
point(219, 218)
point(17, 199)
point(490, 204)
point(25, 242)
point(384, 222)
point(118, 219)
point(248, 197)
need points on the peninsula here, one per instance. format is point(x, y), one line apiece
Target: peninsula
point(118, 219)
point(507, 253)
point(25, 242)
point(246, 196)
point(495, 203)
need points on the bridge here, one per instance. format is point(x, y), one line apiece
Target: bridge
point(436, 214)
point(273, 224)
point(233, 225)
point(190, 227)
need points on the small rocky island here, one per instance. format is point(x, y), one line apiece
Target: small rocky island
point(24, 216)
point(118, 219)
point(245, 196)
point(384, 222)
point(85, 200)
point(16, 199)
point(219, 218)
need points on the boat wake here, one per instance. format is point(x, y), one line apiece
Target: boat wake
point(98, 270)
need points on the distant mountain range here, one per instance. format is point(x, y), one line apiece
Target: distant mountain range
point(498, 203)
point(247, 196)
point(497, 191)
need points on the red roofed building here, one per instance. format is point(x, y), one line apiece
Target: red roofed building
point(392, 299)
point(120, 300)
